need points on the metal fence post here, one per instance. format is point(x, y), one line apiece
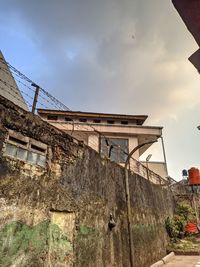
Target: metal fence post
point(37, 88)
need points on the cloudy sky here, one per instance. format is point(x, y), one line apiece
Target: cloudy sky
point(114, 56)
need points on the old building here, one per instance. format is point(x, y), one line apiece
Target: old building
point(112, 135)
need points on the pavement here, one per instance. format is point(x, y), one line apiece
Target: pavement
point(184, 261)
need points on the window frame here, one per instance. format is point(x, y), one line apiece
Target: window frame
point(29, 145)
point(118, 151)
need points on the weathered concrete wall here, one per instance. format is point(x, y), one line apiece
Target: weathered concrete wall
point(58, 215)
point(8, 86)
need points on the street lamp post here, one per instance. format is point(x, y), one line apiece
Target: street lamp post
point(147, 160)
point(128, 204)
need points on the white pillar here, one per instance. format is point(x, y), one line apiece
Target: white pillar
point(133, 142)
point(93, 141)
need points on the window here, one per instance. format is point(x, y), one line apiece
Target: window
point(25, 149)
point(83, 120)
point(52, 117)
point(17, 140)
point(11, 150)
point(97, 121)
point(115, 148)
point(37, 148)
point(124, 122)
point(110, 121)
point(68, 119)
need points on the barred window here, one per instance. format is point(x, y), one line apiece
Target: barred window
point(114, 148)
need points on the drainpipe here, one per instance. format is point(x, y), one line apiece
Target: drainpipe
point(128, 204)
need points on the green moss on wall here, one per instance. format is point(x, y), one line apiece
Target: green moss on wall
point(17, 239)
point(60, 245)
point(145, 233)
point(90, 239)
point(85, 231)
point(27, 244)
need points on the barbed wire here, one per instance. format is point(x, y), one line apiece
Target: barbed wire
point(13, 89)
point(15, 95)
point(50, 102)
point(19, 74)
point(14, 71)
point(78, 127)
point(77, 130)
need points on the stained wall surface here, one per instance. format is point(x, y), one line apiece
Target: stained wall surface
point(57, 213)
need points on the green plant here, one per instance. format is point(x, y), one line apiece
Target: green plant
point(175, 226)
point(171, 228)
point(185, 211)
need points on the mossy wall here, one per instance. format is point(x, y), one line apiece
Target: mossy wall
point(58, 215)
point(26, 245)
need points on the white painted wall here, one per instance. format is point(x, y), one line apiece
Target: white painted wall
point(93, 141)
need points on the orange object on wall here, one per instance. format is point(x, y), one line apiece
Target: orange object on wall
point(191, 228)
point(194, 176)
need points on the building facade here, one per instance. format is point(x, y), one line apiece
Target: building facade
point(112, 135)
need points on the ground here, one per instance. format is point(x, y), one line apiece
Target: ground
point(184, 261)
point(189, 246)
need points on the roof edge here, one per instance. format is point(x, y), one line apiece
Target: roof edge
point(92, 114)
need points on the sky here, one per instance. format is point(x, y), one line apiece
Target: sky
point(112, 56)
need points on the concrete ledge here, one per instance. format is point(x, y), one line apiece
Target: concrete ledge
point(158, 264)
point(164, 260)
point(168, 258)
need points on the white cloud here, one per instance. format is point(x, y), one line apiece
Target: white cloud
point(115, 56)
